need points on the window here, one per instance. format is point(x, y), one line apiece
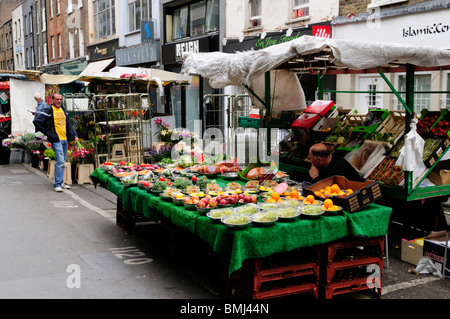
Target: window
point(58, 7)
point(81, 42)
point(212, 15)
point(138, 10)
point(44, 47)
point(300, 8)
point(39, 57)
point(422, 82)
point(255, 13)
point(44, 20)
point(51, 9)
point(104, 18)
point(52, 39)
point(31, 23)
point(71, 45)
point(180, 23)
point(59, 44)
point(446, 102)
point(198, 18)
point(69, 6)
point(25, 22)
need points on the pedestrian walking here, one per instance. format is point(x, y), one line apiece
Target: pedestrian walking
point(41, 105)
point(54, 122)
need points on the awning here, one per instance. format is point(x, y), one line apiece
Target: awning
point(96, 67)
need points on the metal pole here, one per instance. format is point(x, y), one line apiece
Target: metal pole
point(268, 117)
point(408, 117)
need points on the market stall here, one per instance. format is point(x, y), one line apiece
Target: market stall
point(328, 56)
point(252, 242)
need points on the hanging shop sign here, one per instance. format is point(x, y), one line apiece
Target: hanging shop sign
point(258, 42)
point(73, 67)
point(103, 50)
point(147, 31)
point(173, 52)
point(140, 54)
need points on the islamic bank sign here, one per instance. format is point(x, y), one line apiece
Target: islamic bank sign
point(147, 31)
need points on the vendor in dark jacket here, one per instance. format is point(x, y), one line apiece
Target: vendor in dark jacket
point(324, 164)
point(54, 122)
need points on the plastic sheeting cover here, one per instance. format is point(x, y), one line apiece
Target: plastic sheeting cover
point(223, 69)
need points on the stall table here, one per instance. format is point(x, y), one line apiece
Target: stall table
point(253, 242)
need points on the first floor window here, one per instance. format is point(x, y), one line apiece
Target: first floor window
point(422, 82)
point(255, 13)
point(300, 9)
point(104, 18)
point(138, 10)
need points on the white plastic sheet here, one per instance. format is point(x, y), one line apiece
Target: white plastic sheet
point(410, 158)
point(223, 69)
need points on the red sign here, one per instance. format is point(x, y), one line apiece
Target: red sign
point(322, 31)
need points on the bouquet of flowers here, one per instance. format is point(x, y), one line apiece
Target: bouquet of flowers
point(6, 144)
point(81, 154)
point(165, 134)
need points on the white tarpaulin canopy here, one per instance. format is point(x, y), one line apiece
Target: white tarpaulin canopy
point(223, 69)
point(249, 67)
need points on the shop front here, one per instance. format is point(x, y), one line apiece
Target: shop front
point(187, 101)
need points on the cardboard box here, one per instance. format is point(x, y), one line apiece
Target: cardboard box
point(434, 248)
point(411, 251)
point(440, 177)
point(363, 194)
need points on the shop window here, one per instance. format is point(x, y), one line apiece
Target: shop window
point(255, 13)
point(180, 23)
point(422, 82)
point(300, 9)
point(212, 15)
point(197, 18)
point(104, 18)
point(138, 10)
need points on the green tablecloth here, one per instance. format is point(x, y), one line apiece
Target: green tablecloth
point(253, 242)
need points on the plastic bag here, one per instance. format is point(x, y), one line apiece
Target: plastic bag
point(410, 158)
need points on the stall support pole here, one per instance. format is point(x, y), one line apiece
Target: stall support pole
point(268, 113)
point(319, 85)
point(408, 117)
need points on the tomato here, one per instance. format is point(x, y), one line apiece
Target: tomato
point(162, 179)
point(194, 178)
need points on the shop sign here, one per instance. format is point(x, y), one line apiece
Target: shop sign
point(138, 55)
point(102, 50)
point(173, 52)
point(276, 37)
point(148, 31)
point(73, 68)
point(425, 28)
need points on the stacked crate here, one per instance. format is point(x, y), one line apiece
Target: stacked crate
point(351, 265)
point(278, 275)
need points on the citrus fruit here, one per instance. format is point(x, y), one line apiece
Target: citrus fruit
point(310, 198)
point(328, 203)
point(275, 196)
point(326, 193)
point(335, 188)
point(327, 189)
point(294, 193)
point(271, 200)
point(349, 191)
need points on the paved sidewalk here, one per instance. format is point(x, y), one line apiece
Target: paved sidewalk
point(67, 245)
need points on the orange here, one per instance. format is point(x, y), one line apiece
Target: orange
point(335, 188)
point(294, 193)
point(328, 203)
point(326, 193)
point(279, 200)
point(275, 196)
point(327, 189)
point(349, 191)
point(310, 198)
point(270, 200)
point(288, 197)
point(317, 193)
point(321, 190)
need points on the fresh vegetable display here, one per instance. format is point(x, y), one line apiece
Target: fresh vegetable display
point(311, 210)
point(182, 183)
point(160, 186)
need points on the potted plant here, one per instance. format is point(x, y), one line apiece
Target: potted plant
point(82, 155)
point(5, 151)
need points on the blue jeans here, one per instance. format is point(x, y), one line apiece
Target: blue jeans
point(60, 149)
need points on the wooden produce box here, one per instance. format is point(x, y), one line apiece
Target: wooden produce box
point(393, 124)
point(387, 172)
point(363, 194)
